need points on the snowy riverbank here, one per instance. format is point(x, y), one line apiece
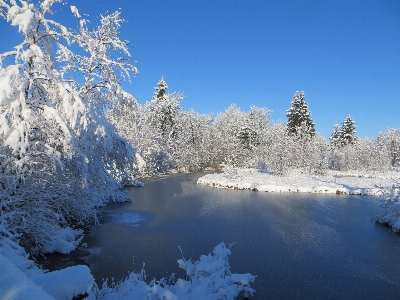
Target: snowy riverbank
point(295, 182)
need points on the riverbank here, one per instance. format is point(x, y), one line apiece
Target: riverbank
point(332, 183)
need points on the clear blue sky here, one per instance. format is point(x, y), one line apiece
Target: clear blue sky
point(345, 55)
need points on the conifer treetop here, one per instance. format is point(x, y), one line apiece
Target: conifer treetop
point(299, 117)
point(161, 88)
point(345, 134)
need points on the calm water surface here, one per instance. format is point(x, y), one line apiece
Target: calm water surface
point(301, 246)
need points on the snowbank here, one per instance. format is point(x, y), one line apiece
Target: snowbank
point(260, 180)
point(390, 213)
point(66, 283)
point(14, 284)
point(60, 285)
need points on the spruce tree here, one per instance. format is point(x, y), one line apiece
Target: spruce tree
point(348, 131)
point(344, 135)
point(299, 117)
point(164, 108)
point(335, 138)
point(161, 88)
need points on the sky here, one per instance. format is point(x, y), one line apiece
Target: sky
point(344, 54)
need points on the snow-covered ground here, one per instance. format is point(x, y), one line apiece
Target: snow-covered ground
point(295, 182)
point(64, 284)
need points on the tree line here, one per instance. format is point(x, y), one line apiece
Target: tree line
point(167, 137)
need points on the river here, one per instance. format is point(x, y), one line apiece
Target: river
point(301, 246)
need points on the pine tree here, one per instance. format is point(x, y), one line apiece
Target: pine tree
point(344, 135)
point(299, 117)
point(161, 88)
point(335, 136)
point(348, 130)
point(164, 108)
point(247, 137)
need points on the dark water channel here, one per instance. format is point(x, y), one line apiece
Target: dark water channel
point(300, 246)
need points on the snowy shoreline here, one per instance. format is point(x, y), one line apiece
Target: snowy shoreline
point(295, 182)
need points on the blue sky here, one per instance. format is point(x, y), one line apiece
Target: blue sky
point(345, 55)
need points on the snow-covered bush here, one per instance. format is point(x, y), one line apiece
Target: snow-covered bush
point(390, 213)
point(390, 140)
point(208, 278)
point(361, 155)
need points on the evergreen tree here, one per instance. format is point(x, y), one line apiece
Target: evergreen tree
point(299, 117)
point(247, 137)
point(161, 88)
point(164, 108)
point(348, 131)
point(335, 136)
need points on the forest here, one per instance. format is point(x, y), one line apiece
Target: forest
point(71, 137)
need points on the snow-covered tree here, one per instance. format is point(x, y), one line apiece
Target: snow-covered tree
point(102, 64)
point(340, 152)
point(152, 129)
point(366, 154)
point(335, 136)
point(191, 146)
point(299, 117)
point(391, 141)
point(163, 109)
point(59, 152)
point(347, 131)
point(39, 116)
point(278, 151)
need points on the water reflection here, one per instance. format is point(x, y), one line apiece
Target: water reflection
point(299, 245)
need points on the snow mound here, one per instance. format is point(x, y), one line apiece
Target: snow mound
point(14, 284)
point(60, 285)
point(66, 283)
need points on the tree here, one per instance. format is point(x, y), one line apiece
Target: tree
point(102, 60)
point(163, 109)
point(390, 139)
point(299, 117)
point(191, 146)
point(347, 131)
point(335, 136)
point(39, 117)
point(344, 135)
point(59, 152)
point(278, 152)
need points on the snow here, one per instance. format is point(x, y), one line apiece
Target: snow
point(390, 213)
point(208, 278)
point(66, 283)
point(63, 284)
point(14, 284)
point(65, 241)
point(75, 11)
point(296, 182)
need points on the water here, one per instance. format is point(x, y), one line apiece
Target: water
point(301, 246)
